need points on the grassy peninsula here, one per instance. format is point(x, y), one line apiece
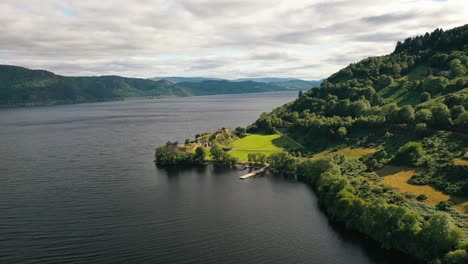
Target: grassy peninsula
point(384, 143)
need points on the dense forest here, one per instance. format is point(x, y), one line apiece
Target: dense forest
point(408, 111)
point(21, 87)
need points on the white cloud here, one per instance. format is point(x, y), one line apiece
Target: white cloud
point(222, 38)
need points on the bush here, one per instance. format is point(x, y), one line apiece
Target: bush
point(240, 131)
point(462, 122)
point(425, 96)
point(410, 195)
point(456, 111)
point(444, 205)
point(341, 132)
point(421, 130)
point(421, 197)
point(200, 154)
point(406, 114)
point(423, 116)
point(441, 116)
point(409, 154)
point(458, 256)
point(216, 152)
point(418, 180)
point(282, 161)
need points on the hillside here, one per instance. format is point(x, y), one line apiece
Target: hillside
point(387, 145)
point(21, 87)
point(176, 79)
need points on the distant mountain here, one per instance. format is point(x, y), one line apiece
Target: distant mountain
point(227, 87)
point(22, 87)
point(175, 79)
point(266, 79)
point(286, 83)
point(297, 84)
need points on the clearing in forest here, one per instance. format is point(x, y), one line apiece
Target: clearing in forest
point(460, 162)
point(351, 153)
point(398, 176)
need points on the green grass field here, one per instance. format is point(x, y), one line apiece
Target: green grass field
point(256, 143)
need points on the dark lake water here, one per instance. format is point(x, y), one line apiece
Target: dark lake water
point(78, 185)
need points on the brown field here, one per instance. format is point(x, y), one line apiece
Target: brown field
point(351, 153)
point(398, 176)
point(460, 162)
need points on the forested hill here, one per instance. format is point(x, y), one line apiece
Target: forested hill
point(387, 145)
point(20, 86)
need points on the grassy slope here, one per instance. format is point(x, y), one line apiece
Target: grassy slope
point(265, 144)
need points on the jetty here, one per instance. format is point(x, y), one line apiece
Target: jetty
point(252, 173)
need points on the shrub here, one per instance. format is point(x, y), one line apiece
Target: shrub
point(418, 180)
point(458, 256)
point(200, 154)
point(341, 132)
point(421, 197)
point(444, 205)
point(423, 116)
point(441, 116)
point(462, 122)
point(409, 154)
point(425, 96)
point(456, 111)
point(406, 114)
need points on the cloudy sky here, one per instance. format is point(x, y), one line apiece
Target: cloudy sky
point(215, 38)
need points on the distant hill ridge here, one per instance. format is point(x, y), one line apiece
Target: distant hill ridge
point(177, 79)
point(20, 86)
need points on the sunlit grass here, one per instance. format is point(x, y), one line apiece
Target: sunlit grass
point(264, 142)
point(398, 176)
point(257, 143)
point(351, 153)
point(460, 162)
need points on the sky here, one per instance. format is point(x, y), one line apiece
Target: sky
point(212, 38)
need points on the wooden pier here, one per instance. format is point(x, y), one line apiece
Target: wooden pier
point(251, 174)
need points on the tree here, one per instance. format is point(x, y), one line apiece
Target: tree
point(300, 94)
point(425, 96)
point(406, 114)
point(409, 154)
point(423, 116)
point(240, 131)
point(444, 205)
point(459, 256)
point(341, 132)
point(252, 158)
point(384, 81)
point(216, 152)
point(282, 161)
point(456, 111)
point(256, 159)
point(187, 141)
point(462, 122)
point(434, 84)
point(359, 107)
point(441, 116)
point(439, 236)
point(396, 69)
point(457, 68)
point(228, 160)
point(200, 154)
